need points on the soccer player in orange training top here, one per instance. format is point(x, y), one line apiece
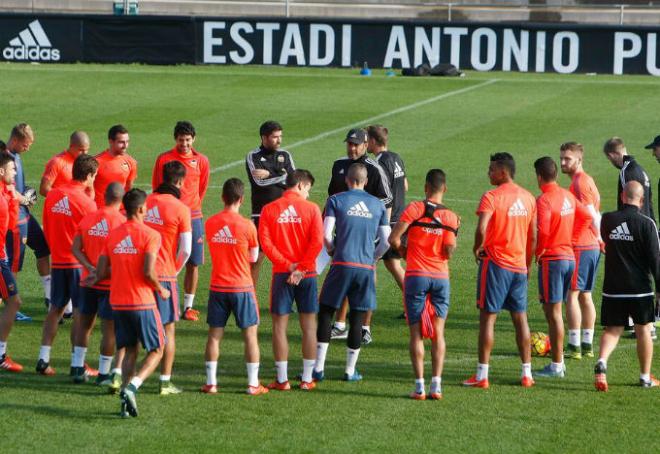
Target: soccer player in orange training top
point(432, 230)
point(192, 194)
point(115, 164)
point(233, 245)
point(59, 168)
point(291, 235)
point(560, 218)
point(64, 208)
point(88, 244)
point(8, 288)
point(503, 248)
point(170, 217)
point(580, 310)
point(129, 258)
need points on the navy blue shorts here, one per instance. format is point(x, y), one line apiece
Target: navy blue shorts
point(282, 295)
point(586, 269)
point(242, 304)
point(29, 233)
point(498, 288)
point(8, 285)
point(96, 301)
point(143, 326)
point(169, 308)
point(417, 288)
point(555, 280)
point(197, 255)
point(355, 283)
point(65, 286)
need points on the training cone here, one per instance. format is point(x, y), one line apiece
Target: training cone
point(365, 71)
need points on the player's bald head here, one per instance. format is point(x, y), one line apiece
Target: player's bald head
point(114, 193)
point(633, 193)
point(78, 138)
point(357, 174)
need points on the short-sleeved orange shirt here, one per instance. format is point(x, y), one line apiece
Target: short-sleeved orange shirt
point(585, 191)
point(121, 169)
point(59, 169)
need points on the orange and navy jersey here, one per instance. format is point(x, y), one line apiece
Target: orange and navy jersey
point(230, 237)
point(170, 217)
point(291, 231)
point(59, 169)
point(125, 248)
point(559, 216)
point(121, 169)
point(197, 177)
point(427, 238)
point(513, 209)
point(13, 206)
point(4, 219)
point(64, 208)
point(93, 231)
point(585, 191)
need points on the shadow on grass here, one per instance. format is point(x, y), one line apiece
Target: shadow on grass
point(60, 412)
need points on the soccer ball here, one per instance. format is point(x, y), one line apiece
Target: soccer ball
point(540, 344)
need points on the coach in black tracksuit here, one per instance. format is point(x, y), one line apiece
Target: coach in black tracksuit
point(632, 265)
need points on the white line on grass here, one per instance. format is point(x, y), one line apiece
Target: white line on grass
point(399, 110)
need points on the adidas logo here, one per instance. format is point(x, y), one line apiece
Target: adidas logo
point(566, 208)
point(153, 216)
point(621, 233)
point(101, 229)
point(224, 236)
point(341, 171)
point(517, 209)
point(289, 216)
point(62, 207)
point(31, 44)
point(360, 210)
point(398, 171)
point(125, 246)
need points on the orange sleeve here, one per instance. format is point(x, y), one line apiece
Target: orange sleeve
point(253, 236)
point(204, 179)
point(315, 244)
point(186, 224)
point(153, 243)
point(51, 171)
point(266, 241)
point(132, 176)
point(583, 220)
point(449, 237)
point(157, 174)
point(543, 218)
point(486, 204)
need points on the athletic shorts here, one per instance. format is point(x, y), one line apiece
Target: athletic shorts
point(197, 254)
point(416, 289)
point(555, 280)
point(8, 285)
point(143, 326)
point(282, 295)
point(586, 269)
point(615, 311)
point(356, 284)
point(65, 286)
point(169, 308)
point(30, 233)
point(242, 304)
point(96, 301)
point(498, 288)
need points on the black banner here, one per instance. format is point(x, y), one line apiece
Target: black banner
point(303, 42)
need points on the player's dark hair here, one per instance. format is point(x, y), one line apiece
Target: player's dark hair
point(5, 157)
point(435, 179)
point(357, 173)
point(184, 128)
point(113, 193)
point(506, 161)
point(83, 166)
point(546, 168)
point(572, 146)
point(613, 145)
point(173, 172)
point(232, 191)
point(133, 200)
point(269, 127)
point(379, 134)
point(116, 130)
point(299, 176)
point(3, 147)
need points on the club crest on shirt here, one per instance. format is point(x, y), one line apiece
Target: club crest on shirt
point(193, 163)
point(125, 166)
point(280, 158)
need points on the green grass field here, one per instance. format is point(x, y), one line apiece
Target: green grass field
point(453, 124)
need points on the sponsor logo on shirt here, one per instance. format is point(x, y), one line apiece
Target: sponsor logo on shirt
point(101, 229)
point(432, 231)
point(224, 236)
point(398, 171)
point(31, 44)
point(567, 208)
point(360, 209)
point(153, 216)
point(517, 209)
point(289, 216)
point(621, 232)
point(62, 206)
point(125, 246)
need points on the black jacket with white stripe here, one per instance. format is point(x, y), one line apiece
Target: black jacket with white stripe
point(378, 184)
point(632, 171)
point(279, 163)
point(632, 253)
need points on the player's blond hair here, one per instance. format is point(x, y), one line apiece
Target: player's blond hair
point(572, 147)
point(21, 131)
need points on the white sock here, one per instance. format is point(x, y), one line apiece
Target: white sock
point(78, 356)
point(482, 371)
point(253, 374)
point(419, 385)
point(603, 362)
point(436, 384)
point(116, 370)
point(165, 377)
point(557, 367)
point(645, 377)
point(188, 301)
point(526, 370)
point(366, 328)
point(44, 353)
point(321, 351)
point(574, 337)
point(211, 372)
point(45, 282)
point(308, 367)
point(3, 348)
point(351, 360)
point(340, 325)
point(282, 373)
point(136, 382)
point(105, 362)
point(587, 336)
point(69, 308)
